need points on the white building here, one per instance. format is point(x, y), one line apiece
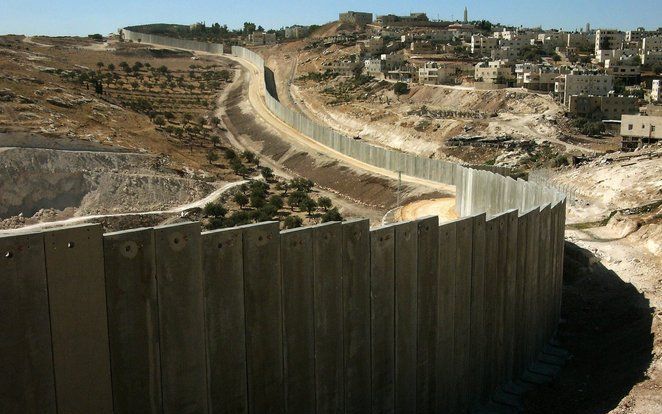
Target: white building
point(499, 71)
point(640, 129)
point(433, 73)
point(656, 90)
point(582, 84)
point(608, 39)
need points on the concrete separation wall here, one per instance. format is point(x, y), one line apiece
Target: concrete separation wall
point(340, 317)
point(478, 190)
point(412, 317)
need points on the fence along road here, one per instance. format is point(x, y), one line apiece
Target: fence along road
point(332, 317)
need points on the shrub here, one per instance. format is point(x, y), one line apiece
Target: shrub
point(292, 222)
point(214, 210)
point(267, 173)
point(240, 199)
point(325, 203)
point(230, 154)
point(296, 198)
point(257, 200)
point(331, 215)
point(308, 204)
point(301, 184)
point(276, 201)
point(212, 156)
point(238, 218)
point(400, 88)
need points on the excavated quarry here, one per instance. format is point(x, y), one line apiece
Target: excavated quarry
point(85, 180)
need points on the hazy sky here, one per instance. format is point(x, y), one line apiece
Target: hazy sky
point(68, 17)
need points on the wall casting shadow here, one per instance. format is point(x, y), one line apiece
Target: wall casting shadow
point(606, 328)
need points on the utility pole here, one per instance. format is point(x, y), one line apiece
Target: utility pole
point(399, 186)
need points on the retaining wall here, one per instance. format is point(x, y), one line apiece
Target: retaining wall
point(412, 317)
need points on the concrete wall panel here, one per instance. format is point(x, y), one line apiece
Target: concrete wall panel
point(356, 302)
point(77, 298)
point(181, 318)
point(223, 271)
point(26, 360)
point(133, 320)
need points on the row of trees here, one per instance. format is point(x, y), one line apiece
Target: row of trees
point(257, 204)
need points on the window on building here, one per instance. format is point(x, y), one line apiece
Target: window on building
point(630, 127)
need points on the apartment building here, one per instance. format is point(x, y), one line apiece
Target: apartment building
point(353, 17)
point(602, 107)
point(651, 50)
point(296, 32)
point(606, 39)
point(495, 72)
point(552, 39)
point(371, 47)
point(656, 91)
point(384, 63)
point(433, 73)
point(423, 47)
point(483, 46)
point(637, 130)
point(391, 19)
point(637, 36)
point(504, 53)
point(536, 77)
point(629, 74)
point(261, 38)
point(343, 67)
point(576, 83)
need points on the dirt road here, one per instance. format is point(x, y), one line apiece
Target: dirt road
point(82, 219)
point(256, 97)
point(444, 208)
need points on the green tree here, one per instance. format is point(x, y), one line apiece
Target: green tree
point(301, 184)
point(240, 199)
point(236, 166)
point(276, 201)
point(257, 200)
point(214, 210)
point(309, 205)
point(249, 27)
point(230, 154)
point(296, 198)
point(325, 203)
point(267, 173)
point(111, 67)
point(292, 222)
point(248, 156)
point(215, 140)
point(400, 88)
point(331, 215)
point(258, 187)
point(159, 120)
point(212, 156)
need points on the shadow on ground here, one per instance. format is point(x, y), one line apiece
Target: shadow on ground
point(606, 328)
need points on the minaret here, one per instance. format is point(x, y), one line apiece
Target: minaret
point(466, 15)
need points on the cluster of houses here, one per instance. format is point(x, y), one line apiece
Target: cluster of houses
point(601, 75)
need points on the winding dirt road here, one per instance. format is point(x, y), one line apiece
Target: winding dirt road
point(82, 219)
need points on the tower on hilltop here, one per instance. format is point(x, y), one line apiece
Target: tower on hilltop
point(466, 15)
